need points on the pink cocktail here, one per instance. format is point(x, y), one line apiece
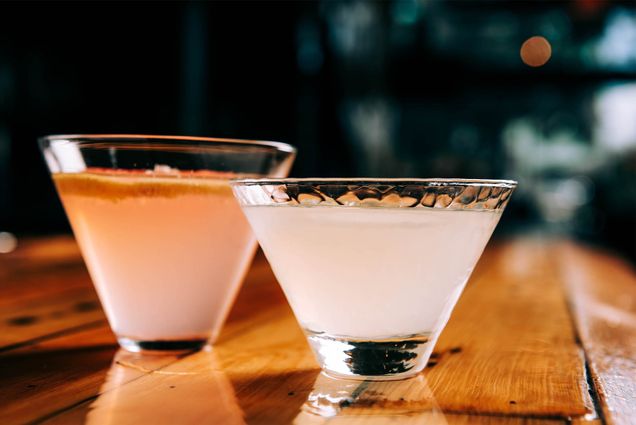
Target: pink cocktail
point(166, 247)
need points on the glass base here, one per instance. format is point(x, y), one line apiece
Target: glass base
point(374, 360)
point(161, 346)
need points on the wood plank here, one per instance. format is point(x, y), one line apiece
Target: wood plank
point(192, 391)
point(45, 377)
point(371, 402)
point(427, 419)
point(199, 389)
point(56, 374)
point(509, 349)
point(510, 345)
point(24, 283)
point(530, 357)
point(20, 324)
point(602, 291)
point(39, 268)
point(33, 269)
point(511, 339)
point(497, 420)
point(45, 290)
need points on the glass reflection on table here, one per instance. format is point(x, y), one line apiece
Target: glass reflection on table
point(408, 401)
point(138, 390)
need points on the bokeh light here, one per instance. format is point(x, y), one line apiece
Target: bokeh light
point(536, 51)
point(8, 242)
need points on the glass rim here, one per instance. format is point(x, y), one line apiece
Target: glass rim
point(86, 140)
point(373, 181)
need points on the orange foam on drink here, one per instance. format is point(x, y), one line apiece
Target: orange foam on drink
point(119, 184)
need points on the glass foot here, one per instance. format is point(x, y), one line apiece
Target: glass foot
point(161, 346)
point(374, 360)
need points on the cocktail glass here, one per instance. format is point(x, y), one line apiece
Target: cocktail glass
point(372, 268)
point(162, 236)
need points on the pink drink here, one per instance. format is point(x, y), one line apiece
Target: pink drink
point(167, 252)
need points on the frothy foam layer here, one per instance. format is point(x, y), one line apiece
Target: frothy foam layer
point(116, 185)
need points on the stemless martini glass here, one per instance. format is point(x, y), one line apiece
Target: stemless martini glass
point(373, 267)
point(162, 236)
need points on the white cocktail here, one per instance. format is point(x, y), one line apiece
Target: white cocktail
point(366, 279)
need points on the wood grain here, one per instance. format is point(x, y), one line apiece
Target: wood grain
point(511, 339)
point(510, 345)
point(199, 389)
point(136, 392)
point(48, 377)
point(44, 290)
point(43, 378)
point(38, 318)
point(603, 295)
point(586, 421)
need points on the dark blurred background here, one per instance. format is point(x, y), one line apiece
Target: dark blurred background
point(417, 88)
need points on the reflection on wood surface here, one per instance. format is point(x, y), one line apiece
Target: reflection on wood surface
point(509, 355)
point(182, 392)
point(404, 401)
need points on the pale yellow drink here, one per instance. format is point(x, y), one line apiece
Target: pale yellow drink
point(167, 253)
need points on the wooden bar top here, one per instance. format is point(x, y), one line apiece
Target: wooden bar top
point(545, 333)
